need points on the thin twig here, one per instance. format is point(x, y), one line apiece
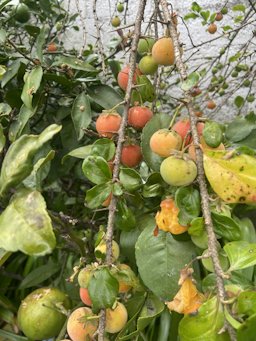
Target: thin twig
point(212, 241)
point(99, 41)
point(83, 21)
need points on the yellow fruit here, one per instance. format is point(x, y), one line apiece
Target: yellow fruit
point(163, 51)
point(116, 318)
point(102, 248)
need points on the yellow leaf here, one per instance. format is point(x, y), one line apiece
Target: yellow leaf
point(233, 178)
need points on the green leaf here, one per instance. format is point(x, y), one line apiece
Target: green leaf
point(5, 109)
point(246, 303)
point(80, 153)
point(3, 4)
point(247, 330)
point(4, 255)
point(239, 129)
point(238, 7)
point(11, 336)
point(205, 325)
point(105, 148)
point(11, 71)
point(103, 289)
point(124, 219)
point(146, 88)
point(195, 7)
point(105, 96)
point(205, 15)
point(81, 114)
point(98, 194)
point(153, 186)
point(239, 101)
point(226, 227)
point(191, 16)
point(96, 169)
point(130, 179)
point(198, 233)
point(161, 272)
point(157, 122)
point(39, 275)
point(19, 124)
point(74, 63)
point(26, 226)
point(32, 82)
point(241, 254)
point(152, 308)
point(191, 81)
point(187, 200)
point(40, 43)
point(2, 36)
point(18, 162)
point(2, 138)
point(233, 178)
point(227, 28)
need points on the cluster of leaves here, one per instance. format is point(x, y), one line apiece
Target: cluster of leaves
point(55, 177)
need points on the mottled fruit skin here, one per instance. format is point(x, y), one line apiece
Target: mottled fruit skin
point(138, 116)
point(122, 78)
point(108, 124)
point(115, 22)
point(85, 297)
point(116, 319)
point(145, 45)
point(131, 155)
point(178, 172)
point(163, 51)
point(182, 127)
point(147, 65)
point(37, 319)
point(79, 330)
point(102, 248)
point(167, 219)
point(164, 141)
point(212, 28)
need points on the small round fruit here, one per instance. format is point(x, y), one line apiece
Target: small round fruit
point(84, 276)
point(123, 286)
point(52, 47)
point(131, 155)
point(211, 105)
point(116, 318)
point(234, 74)
point(123, 75)
point(120, 7)
point(38, 316)
point(85, 297)
point(196, 91)
point(102, 248)
point(80, 329)
point(164, 141)
point(212, 28)
point(250, 98)
point(247, 83)
point(224, 10)
point(138, 116)
point(115, 22)
point(108, 124)
point(182, 127)
point(147, 65)
point(22, 13)
point(198, 113)
point(163, 51)
point(219, 16)
point(178, 172)
point(145, 45)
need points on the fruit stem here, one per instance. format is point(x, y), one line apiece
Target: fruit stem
point(116, 106)
point(176, 112)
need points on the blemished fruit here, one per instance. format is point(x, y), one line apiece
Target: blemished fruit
point(167, 219)
point(108, 123)
point(164, 141)
point(115, 22)
point(120, 7)
point(22, 13)
point(163, 51)
point(147, 65)
point(122, 78)
point(131, 155)
point(182, 127)
point(38, 315)
point(211, 105)
point(102, 248)
point(85, 297)
point(80, 329)
point(178, 172)
point(145, 45)
point(138, 116)
point(219, 16)
point(212, 28)
point(116, 318)
point(204, 146)
point(52, 47)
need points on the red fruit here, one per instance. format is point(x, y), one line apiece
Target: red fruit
point(131, 155)
point(122, 78)
point(52, 47)
point(182, 127)
point(139, 116)
point(211, 105)
point(108, 124)
point(85, 297)
point(212, 28)
point(196, 91)
point(219, 16)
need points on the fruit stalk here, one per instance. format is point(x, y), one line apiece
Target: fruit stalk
point(121, 139)
point(212, 241)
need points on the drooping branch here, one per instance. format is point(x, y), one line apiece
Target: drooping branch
point(121, 139)
point(212, 241)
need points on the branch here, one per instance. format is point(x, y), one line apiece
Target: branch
point(121, 139)
point(82, 19)
point(99, 41)
point(212, 241)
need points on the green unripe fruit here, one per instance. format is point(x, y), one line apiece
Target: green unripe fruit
point(58, 26)
point(220, 66)
point(212, 134)
point(224, 10)
point(147, 65)
point(120, 7)
point(38, 314)
point(115, 22)
point(234, 74)
point(225, 86)
point(214, 70)
point(145, 45)
point(222, 51)
point(250, 98)
point(221, 92)
point(246, 83)
point(22, 13)
point(84, 276)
